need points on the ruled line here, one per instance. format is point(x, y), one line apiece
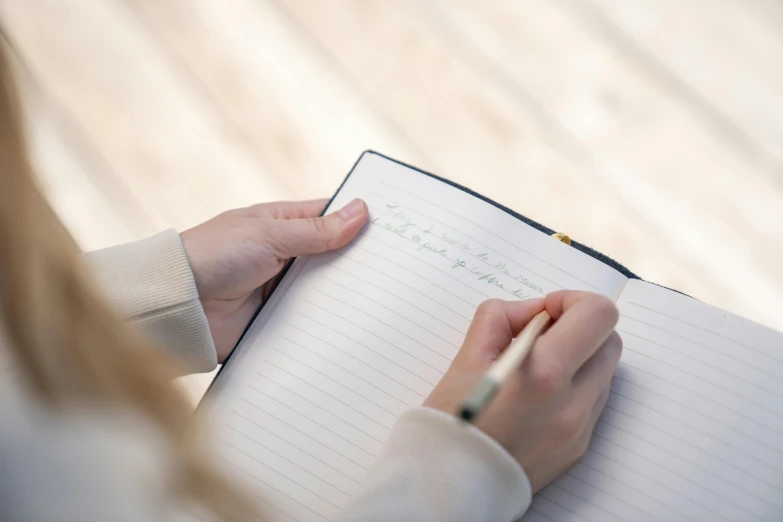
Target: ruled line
point(323, 392)
point(651, 479)
point(731, 485)
point(365, 281)
point(422, 379)
point(546, 491)
point(320, 408)
point(613, 495)
point(554, 485)
point(699, 378)
point(192, 514)
point(284, 458)
point(338, 382)
point(444, 272)
point(541, 499)
point(623, 484)
point(379, 337)
point(698, 394)
point(395, 329)
point(356, 246)
point(735, 359)
point(352, 356)
point(349, 459)
point(534, 510)
point(455, 262)
point(716, 334)
point(255, 495)
point(355, 292)
point(492, 233)
point(743, 471)
point(682, 405)
point(417, 290)
point(298, 447)
point(447, 359)
point(407, 223)
point(314, 422)
point(472, 239)
point(274, 488)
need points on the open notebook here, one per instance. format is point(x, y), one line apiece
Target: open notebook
point(693, 430)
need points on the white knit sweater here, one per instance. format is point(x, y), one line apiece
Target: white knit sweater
point(103, 466)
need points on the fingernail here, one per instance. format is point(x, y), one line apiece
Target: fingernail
point(351, 210)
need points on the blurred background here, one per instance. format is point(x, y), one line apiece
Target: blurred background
point(651, 130)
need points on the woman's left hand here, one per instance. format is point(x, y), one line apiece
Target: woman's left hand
point(235, 255)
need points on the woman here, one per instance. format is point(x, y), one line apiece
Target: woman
point(92, 428)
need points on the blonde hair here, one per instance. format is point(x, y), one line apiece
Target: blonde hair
point(71, 347)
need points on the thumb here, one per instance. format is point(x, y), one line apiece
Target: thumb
point(495, 323)
point(297, 237)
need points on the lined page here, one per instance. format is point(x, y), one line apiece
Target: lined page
point(693, 429)
point(353, 338)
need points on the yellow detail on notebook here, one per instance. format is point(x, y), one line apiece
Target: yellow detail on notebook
point(693, 429)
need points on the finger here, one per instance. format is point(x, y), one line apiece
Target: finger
point(583, 321)
point(313, 235)
point(585, 436)
point(494, 324)
point(596, 374)
point(597, 410)
point(287, 209)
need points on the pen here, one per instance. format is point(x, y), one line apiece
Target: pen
point(511, 359)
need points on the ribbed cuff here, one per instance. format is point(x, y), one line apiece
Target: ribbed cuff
point(151, 283)
point(436, 468)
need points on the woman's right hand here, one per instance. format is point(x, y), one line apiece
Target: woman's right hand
point(544, 413)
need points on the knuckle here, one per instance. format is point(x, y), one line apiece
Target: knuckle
point(257, 208)
point(326, 237)
point(490, 305)
point(319, 224)
point(615, 344)
point(582, 445)
point(488, 308)
point(550, 378)
point(605, 309)
point(609, 353)
point(277, 247)
point(572, 422)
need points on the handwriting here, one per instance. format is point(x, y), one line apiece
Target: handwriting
point(429, 231)
point(425, 240)
point(501, 266)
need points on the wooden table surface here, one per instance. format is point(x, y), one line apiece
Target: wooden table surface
point(651, 130)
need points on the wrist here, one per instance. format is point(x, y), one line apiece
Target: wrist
point(151, 283)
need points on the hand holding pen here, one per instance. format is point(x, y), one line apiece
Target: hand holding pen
point(545, 410)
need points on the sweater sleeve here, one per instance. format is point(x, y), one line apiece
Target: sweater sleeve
point(435, 469)
point(150, 282)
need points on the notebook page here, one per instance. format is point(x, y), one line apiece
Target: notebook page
point(353, 338)
point(693, 429)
